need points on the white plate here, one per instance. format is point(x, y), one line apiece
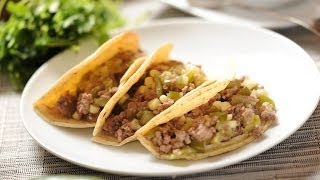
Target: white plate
point(137, 12)
point(285, 70)
point(306, 10)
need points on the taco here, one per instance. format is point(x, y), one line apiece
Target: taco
point(77, 98)
point(156, 85)
point(216, 121)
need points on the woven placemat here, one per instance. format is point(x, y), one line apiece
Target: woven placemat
point(295, 158)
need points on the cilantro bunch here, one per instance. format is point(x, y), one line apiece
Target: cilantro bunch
point(39, 29)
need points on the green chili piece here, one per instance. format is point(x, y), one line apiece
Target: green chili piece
point(108, 83)
point(190, 75)
point(198, 146)
point(100, 101)
point(159, 89)
point(95, 90)
point(182, 81)
point(264, 98)
point(237, 99)
point(145, 117)
point(234, 83)
point(174, 95)
point(244, 91)
point(221, 125)
point(257, 120)
point(221, 115)
point(185, 151)
point(134, 125)
point(188, 123)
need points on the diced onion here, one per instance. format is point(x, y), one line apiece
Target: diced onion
point(261, 92)
point(163, 98)
point(216, 139)
point(249, 84)
point(154, 104)
point(76, 115)
point(229, 117)
point(232, 124)
point(217, 104)
point(148, 81)
point(225, 106)
point(100, 101)
point(94, 109)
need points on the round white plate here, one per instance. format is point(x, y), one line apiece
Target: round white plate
point(306, 10)
point(285, 70)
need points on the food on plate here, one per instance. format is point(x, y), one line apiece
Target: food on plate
point(156, 86)
point(78, 97)
point(171, 107)
point(225, 118)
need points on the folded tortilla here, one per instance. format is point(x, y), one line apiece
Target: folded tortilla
point(147, 93)
point(199, 136)
point(109, 67)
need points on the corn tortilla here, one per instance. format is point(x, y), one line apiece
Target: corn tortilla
point(187, 104)
point(45, 105)
point(160, 55)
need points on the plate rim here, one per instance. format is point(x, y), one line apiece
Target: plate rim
point(156, 23)
point(264, 24)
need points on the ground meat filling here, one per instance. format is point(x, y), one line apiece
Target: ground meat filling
point(157, 90)
point(241, 108)
point(67, 104)
point(83, 104)
point(95, 89)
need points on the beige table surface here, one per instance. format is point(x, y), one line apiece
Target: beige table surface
point(298, 157)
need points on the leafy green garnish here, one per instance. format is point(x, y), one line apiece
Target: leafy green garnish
point(39, 29)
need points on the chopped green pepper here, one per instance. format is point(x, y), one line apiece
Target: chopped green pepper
point(187, 124)
point(250, 125)
point(263, 98)
point(95, 90)
point(221, 115)
point(244, 91)
point(182, 81)
point(190, 75)
point(198, 146)
point(257, 120)
point(234, 83)
point(159, 90)
point(146, 116)
point(174, 95)
point(100, 101)
point(216, 139)
point(187, 150)
point(237, 99)
point(134, 125)
point(108, 82)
